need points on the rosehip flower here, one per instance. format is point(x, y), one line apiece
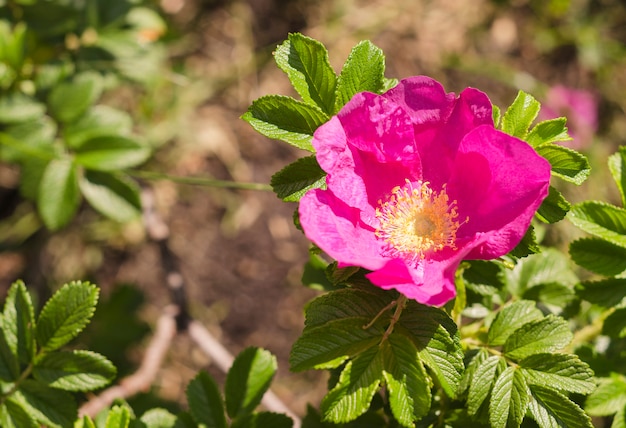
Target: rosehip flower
point(417, 180)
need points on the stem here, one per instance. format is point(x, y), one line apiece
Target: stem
point(400, 304)
point(589, 332)
point(199, 181)
point(380, 313)
point(17, 383)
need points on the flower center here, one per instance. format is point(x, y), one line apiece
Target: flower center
point(415, 220)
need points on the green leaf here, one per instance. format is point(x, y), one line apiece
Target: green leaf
point(74, 370)
point(363, 71)
point(483, 381)
point(98, 121)
point(113, 195)
point(528, 245)
point(205, 401)
point(18, 324)
point(540, 269)
point(263, 420)
point(66, 314)
point(407, 383)
point(185, 420)
point(565, 372)
point(548, 131)
point(118, 417)
point(567, 164)
point(615, 324)
point(554, 296)
point(111, 153)
point(551, 409)
point(608, 398)
point(306, 63)
point(247, 380)
point(599, 256)
point(540, 336)
point(608, 293)
point(602, 220)
point(158, 418)
point(293, 181)
point(509, 399)
point(353, 393)
point(553, 208)
point(476, 359)
point(520, 115)
point(496, 114)
point(84, 422)
point(26, 140)
point(58, 196)
point(510, 318)
point(51, 407)
point(9, 365)
point(617, 166)
point(619, 421)
point(14, 415)
point(484, 277)
point(16, 107)
point(68, 100)
point(283, 118)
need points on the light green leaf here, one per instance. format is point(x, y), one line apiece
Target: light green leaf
point(9, 365)
point(567, 164)
point(26, 140)
point(263, 420)
point(520, 115)
point(496, 114)
point(608, 398)
point(553, 295)
point(113, 195)
point(509, 399)
point(407, 383)
point(619, 421)
point(58, 196)
point(66, 314)
point(600, 219)
point(98, 121)
point(293, 181)
point(551, 409)
point(111, 153)
point(247, 381)
point(477, 358)
point(68, 100)
point(363, 71)
point(510, 318)
point(553, 208)
point(540, 336)
point(205, 401)
point(539, 269)
point(608, 293)
point(51, 407)
point(85, 422)
point(16, 107)
point(118, 417)
point(306, 63)
point(14, 415)
point(74, 370)
point(617, 166)
point(548, 131)
point(599, 256)
point(565, 372)
point(283, 118)
point(18, 324)
point(482, 382)
point(353, 393)
point(158, 418)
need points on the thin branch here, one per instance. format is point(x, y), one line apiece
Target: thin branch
point(199, 181)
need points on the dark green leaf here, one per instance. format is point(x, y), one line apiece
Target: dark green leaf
point(548, 131)
point(14, 415)
point(185, 420)
point(555, 296)
point(609, 292)
point(66, 314)
point(74, 370)
point(553, 208)
point(528, 245)
point(58, 197)
point(68, 100)
point(293, 181)
point(19, 324)
point(98, 121)
point(305, 61)
point(118, 417)
point(608, 398)
point(599, 256)
point(510, 318)
point(363, 71)
point(539, 269)
point(617, 166)
point(482, 382)
point(540, 336)
point(113, 195)
point(248, 379)
point(25, 140)
point(51, 407)
point(552, 409)
point(602, 220)
point(509, 399)
point(357, 384)
point(482, 275)
point(283, 118)
point(564, 372)
point(205, 401)
point(615, 324)
point(263, 420)
point(567, 164)
point(111, 153)
point(16, 107)
point(9, 365)
point(477, 358)
point(520, 115)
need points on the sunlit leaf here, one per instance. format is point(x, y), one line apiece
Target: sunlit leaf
point(363, 71)
point(599, 256)
point(293, 181)
point(567, 164)
point(520, 115)
point(540, 336)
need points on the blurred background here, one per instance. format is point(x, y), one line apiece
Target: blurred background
point(184, 71)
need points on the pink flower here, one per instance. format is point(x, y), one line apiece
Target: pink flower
point(581, 109)
point(418, 180)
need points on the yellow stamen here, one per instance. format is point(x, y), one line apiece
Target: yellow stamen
point(415, 221)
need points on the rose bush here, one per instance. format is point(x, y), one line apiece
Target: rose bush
point(417, 180)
